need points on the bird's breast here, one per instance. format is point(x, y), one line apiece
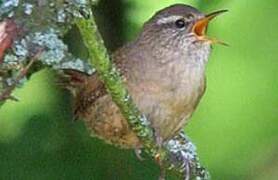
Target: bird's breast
point(169, 95)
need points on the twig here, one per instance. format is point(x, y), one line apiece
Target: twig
point(6, 94)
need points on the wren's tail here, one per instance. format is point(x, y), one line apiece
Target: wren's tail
point(72, 80)
point(75, 82)
point(85, 89)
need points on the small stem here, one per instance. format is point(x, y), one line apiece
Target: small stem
point(6, 94)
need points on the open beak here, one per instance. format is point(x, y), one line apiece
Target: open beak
point(200, 27)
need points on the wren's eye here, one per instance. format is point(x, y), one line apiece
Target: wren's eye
point(180, 23)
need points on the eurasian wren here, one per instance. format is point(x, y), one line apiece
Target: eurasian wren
point(164, 72)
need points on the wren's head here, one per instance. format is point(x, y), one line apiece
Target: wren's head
point(179, 28)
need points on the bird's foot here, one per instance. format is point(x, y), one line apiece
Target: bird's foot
point(138, 153)
point(159, 141)
point(161, 167)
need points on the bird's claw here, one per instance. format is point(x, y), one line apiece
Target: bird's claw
point(138, 153)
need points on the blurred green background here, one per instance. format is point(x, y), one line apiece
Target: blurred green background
point(234, 128)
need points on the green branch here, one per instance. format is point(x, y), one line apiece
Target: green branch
point(107, 71)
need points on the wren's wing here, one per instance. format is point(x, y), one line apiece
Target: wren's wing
point(92, 104)
point(86, 89)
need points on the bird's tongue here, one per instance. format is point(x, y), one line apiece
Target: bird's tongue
point(200, 27)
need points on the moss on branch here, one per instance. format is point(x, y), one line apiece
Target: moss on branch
point(107, 71)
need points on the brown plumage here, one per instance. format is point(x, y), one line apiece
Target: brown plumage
point(164, 71)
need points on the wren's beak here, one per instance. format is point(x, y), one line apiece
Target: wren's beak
point(200, 27)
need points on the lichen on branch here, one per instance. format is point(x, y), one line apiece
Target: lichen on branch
point(27, 27)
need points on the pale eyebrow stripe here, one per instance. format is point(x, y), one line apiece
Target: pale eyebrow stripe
point(168, 19)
